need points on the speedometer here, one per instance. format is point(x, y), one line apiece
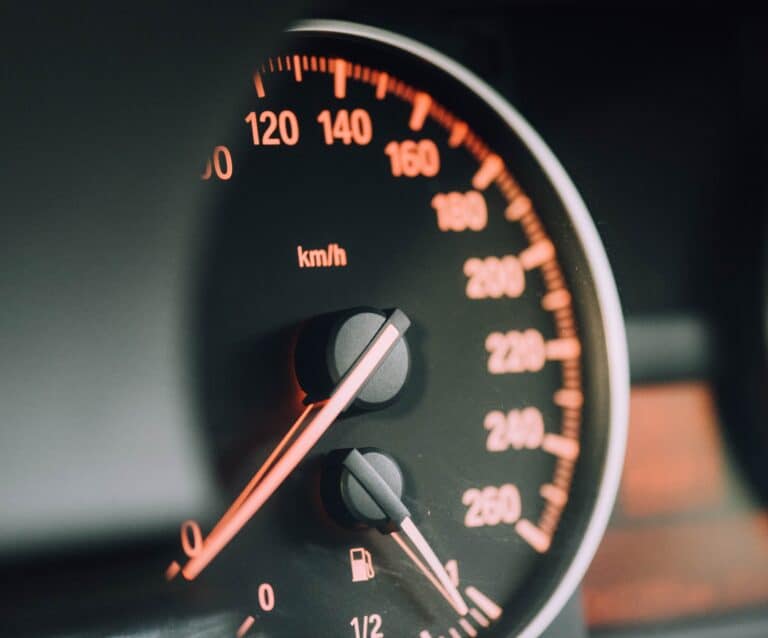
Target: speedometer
point(410, 352)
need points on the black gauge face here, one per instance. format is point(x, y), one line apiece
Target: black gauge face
point(409, 349)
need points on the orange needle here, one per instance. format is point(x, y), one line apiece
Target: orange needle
point(448, 589)
point(454, 600)
point(266, 465)
point(344, 393)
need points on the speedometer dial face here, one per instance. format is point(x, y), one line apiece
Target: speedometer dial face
point(410, 352)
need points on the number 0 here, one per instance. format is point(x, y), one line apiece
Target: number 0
point(266, 597)
point(191, 538)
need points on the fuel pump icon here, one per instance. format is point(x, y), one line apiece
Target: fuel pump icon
point(362, 566)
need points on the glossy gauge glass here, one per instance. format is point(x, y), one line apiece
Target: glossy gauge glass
point(370, 172)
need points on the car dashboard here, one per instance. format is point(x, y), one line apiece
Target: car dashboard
point(412, 320)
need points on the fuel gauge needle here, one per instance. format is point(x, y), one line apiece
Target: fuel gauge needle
point(318, 417)
point(391, 504)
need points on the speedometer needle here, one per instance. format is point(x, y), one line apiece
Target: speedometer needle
point(389, 502)
point(319, 417)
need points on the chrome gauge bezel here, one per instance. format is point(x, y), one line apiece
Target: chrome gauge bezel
point(600, 272)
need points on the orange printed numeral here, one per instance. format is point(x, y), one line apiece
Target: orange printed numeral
point(266, 597)
point(460, 211)
point(516, 351)
point(493, 277)
point(518, 429)
point(191, 538)
point(492, 505)
point(367, 626)
point(220, 164)
point(345, 126)
point(284, 124)
point(410, 159)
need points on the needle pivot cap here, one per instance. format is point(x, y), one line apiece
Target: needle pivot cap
point(329, 345)
point(364, 488)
